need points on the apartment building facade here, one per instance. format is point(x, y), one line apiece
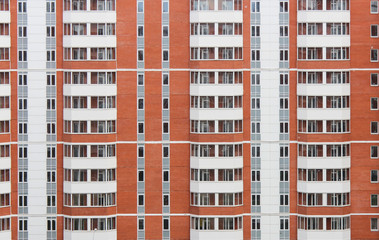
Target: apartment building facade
point(189, 119)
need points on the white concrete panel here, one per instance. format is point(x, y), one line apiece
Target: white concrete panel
point(5, 187)
point(269, 102)
point(323, 187)
point(5, 17)
point(90, 163)
point(321, 163)
point(323, 114)
point(5, 41)
point(216, 41)
point(5, 90)
point(216, 114)
point(5, 114)
point(90, 187)
point(323, 89)
point(323, 16)
point(6, 235)
point(89, 41)
point(323, 41)
point(207, 163)
point(217, 187)
point(89, 114)
point(323, 234)
point(89, 90)
point(269, 226)
point(36, 119)
point(216, 16)
point(90, 235)
point(5, 163)
point(216, 235)
point(89, 17)
point(216, 90)
point(37, 227)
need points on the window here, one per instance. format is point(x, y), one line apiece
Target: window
point(166, 199)
point(374, 224)
point(50, 7)
point(140, 31)
point(374, 55)
point(309, 53)
point(166, 224)
point(22, 7)
point(140, 79)
point(140, 7)
point(165, 31)
point(202, 5)
point(51, 201)
point(103, 54)
point(23, 225)
point(255, 7)
point(51, 225)
point(255, 175)
point(337, 53)
point(166, 176)
point(78, 5)
point(22, 177)
point(337, 5)
point(139, 55)
point(255, 127)
point(4, 5)
point(374, 103)
point(4, 53)
point(284, 176)
point(165, 79)
point(283, 55)
point(140, 127)
point(165, 7)
point(374, 6)
point(284, 223)
point(141, 201)
point(255, 31)
point(141, 224)
point(4, 77)
point(337, 28)
point(23, 201)
point(141, 175)
point(374, 200)
point(22, 32)
point(283, 31)
point(22, 56)
point(374, 127)
point(283, 6)
point(50, 56)
point(165, 127)
point(165, 55)
point(255, 55)
point(374, 151)
point(374, 79)
point(374, 30)
point(255, 200)
point(50, 177)
point(255, 224)
point(374, 175)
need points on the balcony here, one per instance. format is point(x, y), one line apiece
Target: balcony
point(90, 114)
point(93, 163)
point(90, 187)
point(216, 234)
point(216, 114)
point(217, 162)
point(89, 90)
point(218, 187)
